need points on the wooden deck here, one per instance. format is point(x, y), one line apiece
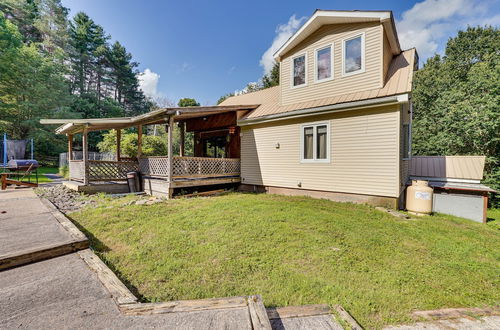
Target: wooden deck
point(157, 176)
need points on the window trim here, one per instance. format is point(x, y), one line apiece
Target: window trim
point(292, 68)
point(363, 55)
point(332, 50)
point(315, 159)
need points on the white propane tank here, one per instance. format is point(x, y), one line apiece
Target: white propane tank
point(419, 198)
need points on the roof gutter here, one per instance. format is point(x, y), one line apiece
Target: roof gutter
point(356, 105)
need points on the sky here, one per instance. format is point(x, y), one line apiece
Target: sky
point(205, 49)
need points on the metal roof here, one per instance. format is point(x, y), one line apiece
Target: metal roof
point(451, 167)
point(160, 116)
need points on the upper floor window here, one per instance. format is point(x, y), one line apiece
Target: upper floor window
point(353, 55)
point(315, 142)
point(299, 70)
point(324, 63)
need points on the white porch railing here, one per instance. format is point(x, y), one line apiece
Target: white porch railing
point(190, 167)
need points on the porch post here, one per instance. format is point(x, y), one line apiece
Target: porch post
point(170, 155)
point(118, 143)
point(70, 147)
point(139, 141)
point(182, 139)
point(85, 143)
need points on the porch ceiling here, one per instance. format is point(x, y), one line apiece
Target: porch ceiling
point(160, 116)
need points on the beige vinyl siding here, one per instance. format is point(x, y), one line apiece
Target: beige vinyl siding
point(387, 57)
point(364, 154)
point(328, 34)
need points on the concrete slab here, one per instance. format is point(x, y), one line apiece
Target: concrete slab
point(317, 322)
point(64, 293)
point(481, 323)
point(26, 223)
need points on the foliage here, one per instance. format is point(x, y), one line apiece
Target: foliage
point(224, 97)
point(272, 78)
point(51, 67)
point(456, 100)
point(295, 251)
point(152, 145)
point(187, 102)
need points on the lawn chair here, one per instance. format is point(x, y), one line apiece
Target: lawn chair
point(20, 178)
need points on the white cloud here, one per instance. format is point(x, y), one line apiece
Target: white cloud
point(428, 24)
point(283, 32)
point(148, 83)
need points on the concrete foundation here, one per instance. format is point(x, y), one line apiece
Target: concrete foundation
point(106, 187)
point(389, 202)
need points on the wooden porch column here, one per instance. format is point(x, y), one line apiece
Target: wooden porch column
point(183, 138)
point(170, 155)
point(118, 143)
point(139, 141)
point(70, 147)
point(85, 142)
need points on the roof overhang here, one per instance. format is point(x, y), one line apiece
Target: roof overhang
point(339, 107)
point(325, 17)
point(160, 116)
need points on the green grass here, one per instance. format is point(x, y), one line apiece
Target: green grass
point(44, 170)
point(297, 250)
point(41, 177)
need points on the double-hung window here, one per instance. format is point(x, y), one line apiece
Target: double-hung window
point(324, 63)
point(315, 142)
point(299, 66)
point(353, 55)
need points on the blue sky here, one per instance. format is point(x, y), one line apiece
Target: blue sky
point(204, 49)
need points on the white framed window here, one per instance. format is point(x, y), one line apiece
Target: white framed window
point(315, 143)
point(353, 55)
point(299, 70)
point(323, 63)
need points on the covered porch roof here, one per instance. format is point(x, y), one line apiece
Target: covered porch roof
point(160, 116)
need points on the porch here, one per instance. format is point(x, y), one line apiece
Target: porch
point(215, 159)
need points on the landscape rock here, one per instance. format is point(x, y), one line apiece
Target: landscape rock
point(65, 199)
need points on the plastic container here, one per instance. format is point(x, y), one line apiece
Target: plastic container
point(419, 198)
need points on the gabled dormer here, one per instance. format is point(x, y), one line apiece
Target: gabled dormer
point(335, 53)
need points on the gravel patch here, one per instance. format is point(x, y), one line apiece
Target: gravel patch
point(65, 199)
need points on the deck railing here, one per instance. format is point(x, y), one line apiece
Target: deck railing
point(101, 170)
point(182, 167)
point(76, 170)
point(190, 167)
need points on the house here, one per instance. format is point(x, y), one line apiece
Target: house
point(338, 126)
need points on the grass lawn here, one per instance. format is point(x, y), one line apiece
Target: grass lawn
point(41, 177)
point(297, 250)
point(44, 170)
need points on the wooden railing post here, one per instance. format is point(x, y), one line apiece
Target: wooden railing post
point(70, 147)
point(85, 143)
point(118, 143)
point(170, 155)
point(139, 141)
point(182, 139)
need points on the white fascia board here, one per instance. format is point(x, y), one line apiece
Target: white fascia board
point(371, 15)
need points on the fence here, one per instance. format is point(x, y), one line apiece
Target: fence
point(78, 155)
